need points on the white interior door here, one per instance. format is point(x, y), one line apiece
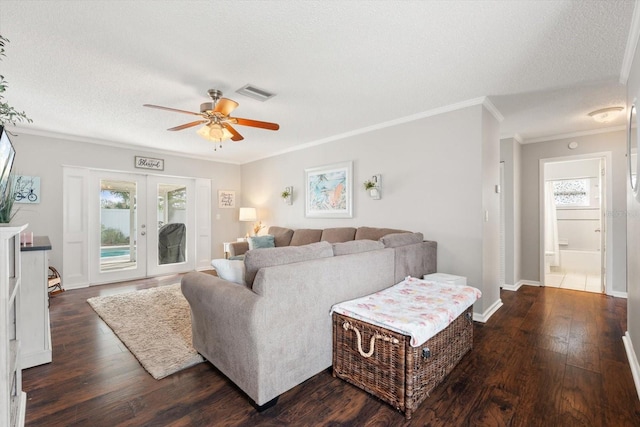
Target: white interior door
point(117, 226)
point(171, 230)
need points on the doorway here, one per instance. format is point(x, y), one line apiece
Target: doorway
point(574, 198)
point(139, 225)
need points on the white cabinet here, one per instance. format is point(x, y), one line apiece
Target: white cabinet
point(446, 278)
point(12, 398)
point(35, 348)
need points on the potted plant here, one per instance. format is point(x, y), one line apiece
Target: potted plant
point(368, 185)
point(373, 189)
point(6, 203)
point(287, 195)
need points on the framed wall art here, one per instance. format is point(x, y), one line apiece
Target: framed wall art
point(328, 191)
point(27, 189)
point(226, 199)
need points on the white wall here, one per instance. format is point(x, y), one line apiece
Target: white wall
point(510, 154)
point(633, 237)
point(432, 182)
point(44, 156)
point(613, 142)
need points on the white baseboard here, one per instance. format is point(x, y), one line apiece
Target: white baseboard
point(75, 286)
point(618, 294)
point(512, 288)
point(530, 283)
point(520, 283)
point(482, 318)
point(633, 361)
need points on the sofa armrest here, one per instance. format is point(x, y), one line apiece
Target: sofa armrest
point(222, 317)
point(415, 260)
point(238, 248)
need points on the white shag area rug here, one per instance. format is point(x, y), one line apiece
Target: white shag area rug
point(155, 324)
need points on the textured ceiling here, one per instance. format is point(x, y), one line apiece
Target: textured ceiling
point(84, 68)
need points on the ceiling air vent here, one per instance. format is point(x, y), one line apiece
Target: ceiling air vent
point(255, 93)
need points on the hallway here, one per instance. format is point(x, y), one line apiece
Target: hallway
point(574, 281)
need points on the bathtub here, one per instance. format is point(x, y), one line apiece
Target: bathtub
point(574, 261)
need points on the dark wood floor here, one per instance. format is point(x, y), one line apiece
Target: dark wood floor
point(548, 357)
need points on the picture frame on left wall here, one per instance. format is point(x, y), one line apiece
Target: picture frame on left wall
point(226, 199)
point(26, 189)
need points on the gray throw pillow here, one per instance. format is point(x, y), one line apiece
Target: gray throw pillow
point(259, 242)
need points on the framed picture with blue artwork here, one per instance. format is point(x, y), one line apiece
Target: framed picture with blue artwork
point(27, 189)
point(328, 191)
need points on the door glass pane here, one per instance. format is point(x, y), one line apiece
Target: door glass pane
point(172, 219)
point(117, 225)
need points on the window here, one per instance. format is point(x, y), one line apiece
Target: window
point(572, 192)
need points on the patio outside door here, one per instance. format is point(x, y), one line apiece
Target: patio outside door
point(117, 222)
point(170, 225)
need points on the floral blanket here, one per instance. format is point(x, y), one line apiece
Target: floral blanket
point(414, 307)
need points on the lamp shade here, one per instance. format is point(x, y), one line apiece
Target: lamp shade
point(248, 214)
point(214, 132)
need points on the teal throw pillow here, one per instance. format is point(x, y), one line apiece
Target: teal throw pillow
point(258, 242)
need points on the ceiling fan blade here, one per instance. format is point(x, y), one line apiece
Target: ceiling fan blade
point(236, 136)
point(171, 109)
point(225, 106)
point(189, 125)
point(256, 123)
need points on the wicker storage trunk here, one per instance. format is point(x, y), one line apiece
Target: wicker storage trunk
point(395, 372)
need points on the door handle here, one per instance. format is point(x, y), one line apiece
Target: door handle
point(143, 233)
point(597, 230)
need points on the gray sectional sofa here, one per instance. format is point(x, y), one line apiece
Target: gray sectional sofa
point(275, 332)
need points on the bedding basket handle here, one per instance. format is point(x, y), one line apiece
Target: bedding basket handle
point(346, 326)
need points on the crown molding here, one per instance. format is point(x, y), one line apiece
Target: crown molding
point(483, 100)
point(574, 134)
point(492, 109)
point(112, 144)
point(632, 44)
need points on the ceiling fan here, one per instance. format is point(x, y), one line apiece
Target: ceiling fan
point(215, 117)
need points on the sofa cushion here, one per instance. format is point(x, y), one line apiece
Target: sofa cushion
point(372, 233)
point(339, 234)
point(258, 242)
point(401, 239)
point(355, 246)
point(281, 235)
point(255, 260)
point(304, 236)
point(231, 270)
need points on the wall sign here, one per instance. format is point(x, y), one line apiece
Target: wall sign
point(226, 199)
point(149, 163)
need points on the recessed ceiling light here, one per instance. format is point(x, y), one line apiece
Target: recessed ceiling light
point(605, 115)
point(256, 93)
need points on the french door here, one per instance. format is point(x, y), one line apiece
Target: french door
point(139, 225)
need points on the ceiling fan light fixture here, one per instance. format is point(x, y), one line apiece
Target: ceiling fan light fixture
point(605, 115)
point(214, 132)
